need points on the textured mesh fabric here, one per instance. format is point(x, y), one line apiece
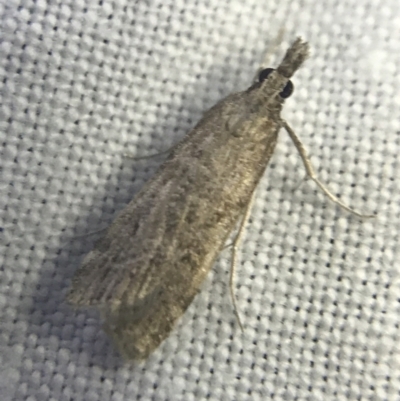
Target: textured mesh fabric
point(85, 82)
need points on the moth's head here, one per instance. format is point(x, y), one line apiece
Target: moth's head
point(270, 90)
point(273, 86)
point(287, 89)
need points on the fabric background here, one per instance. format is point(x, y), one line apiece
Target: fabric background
point(85, 82)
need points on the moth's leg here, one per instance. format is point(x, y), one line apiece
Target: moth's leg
point(275, 44)
point(235, 244)
point(311, 172)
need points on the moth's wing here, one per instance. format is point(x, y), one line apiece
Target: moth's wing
point(148, 267)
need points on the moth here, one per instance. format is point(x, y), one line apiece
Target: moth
point(146, 270)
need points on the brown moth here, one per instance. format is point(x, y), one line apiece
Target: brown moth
point(146, 270)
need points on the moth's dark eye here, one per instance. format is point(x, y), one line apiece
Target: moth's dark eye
point(264, 74)
point(287, 90)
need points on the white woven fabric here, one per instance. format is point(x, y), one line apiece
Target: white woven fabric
point(84, 82)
